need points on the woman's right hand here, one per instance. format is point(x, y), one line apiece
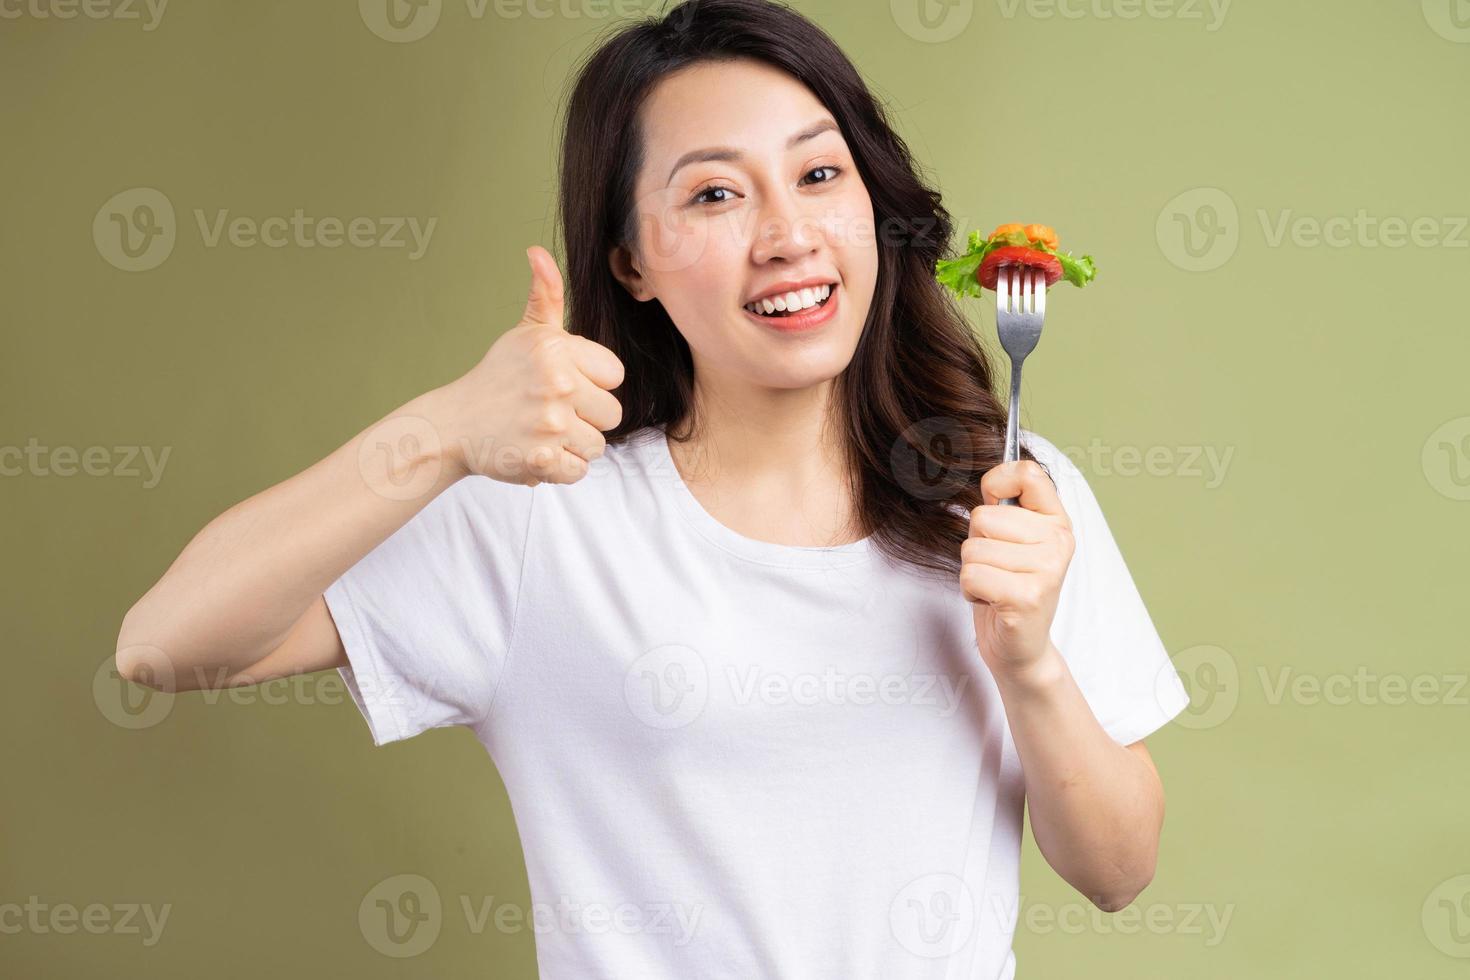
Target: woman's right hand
point(244, 602)
point(534, 408)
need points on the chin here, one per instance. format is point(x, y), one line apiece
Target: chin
point(806, 372)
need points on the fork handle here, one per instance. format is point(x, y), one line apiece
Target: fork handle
point(1013, 426)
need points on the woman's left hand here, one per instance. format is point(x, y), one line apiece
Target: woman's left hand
point(1013, 563)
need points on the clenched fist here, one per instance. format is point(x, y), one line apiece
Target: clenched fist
point(1013, 565)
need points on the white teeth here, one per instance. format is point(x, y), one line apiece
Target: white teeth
point(791, 302)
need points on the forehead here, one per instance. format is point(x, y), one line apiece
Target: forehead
point(743, 104)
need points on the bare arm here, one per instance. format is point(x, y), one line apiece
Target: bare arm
point(254, 576)
point(1097, 807)
point(243, 601)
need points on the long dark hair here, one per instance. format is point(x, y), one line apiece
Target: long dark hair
point(920, 422)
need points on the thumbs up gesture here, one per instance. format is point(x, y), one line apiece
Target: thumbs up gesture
point(545, 304)
point(534, 408)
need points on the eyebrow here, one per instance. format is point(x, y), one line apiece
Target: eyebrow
point(730, 154)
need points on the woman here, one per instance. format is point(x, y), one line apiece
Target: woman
point(765, 669)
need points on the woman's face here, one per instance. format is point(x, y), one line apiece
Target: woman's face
point(761, 195)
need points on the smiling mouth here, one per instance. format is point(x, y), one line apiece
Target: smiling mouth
point(768, 308)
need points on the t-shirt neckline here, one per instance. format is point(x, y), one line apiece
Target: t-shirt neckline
point(666, 477)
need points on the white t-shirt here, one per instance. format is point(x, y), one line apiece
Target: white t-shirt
point(729, 758)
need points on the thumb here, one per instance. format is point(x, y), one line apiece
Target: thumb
point(544, 305)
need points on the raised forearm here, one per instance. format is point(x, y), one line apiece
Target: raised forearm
point(243, 581)
point(532, 410)
point(1096, 807)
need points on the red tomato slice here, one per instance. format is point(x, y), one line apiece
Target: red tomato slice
point(1013, 255)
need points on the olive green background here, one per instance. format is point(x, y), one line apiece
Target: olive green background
point(1311, 831)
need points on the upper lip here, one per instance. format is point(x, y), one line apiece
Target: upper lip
point(792, 286)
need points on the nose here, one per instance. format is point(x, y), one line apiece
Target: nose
point(786, 231)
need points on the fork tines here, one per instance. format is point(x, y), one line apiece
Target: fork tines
point(1021, 292)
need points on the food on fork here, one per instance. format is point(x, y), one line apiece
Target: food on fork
point(1011, 245)
point(1022, 255)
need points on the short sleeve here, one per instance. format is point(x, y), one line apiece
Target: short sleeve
point(427, 617)
point(1102, 628)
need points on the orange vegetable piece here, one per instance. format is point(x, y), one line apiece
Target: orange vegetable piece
point(1042, 233)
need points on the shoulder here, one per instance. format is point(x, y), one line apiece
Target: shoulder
point(1073, 489)
point(1057, 463)
point(617, 483)
point(630, 461)
point(623, 460)
point(478, 506)
point(637, 451)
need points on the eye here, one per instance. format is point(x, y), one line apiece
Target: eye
point(701, 198)
point(835, 172)
point(698, 197)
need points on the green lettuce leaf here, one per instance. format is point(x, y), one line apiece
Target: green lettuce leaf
point(958, 274)
point(1079, 272)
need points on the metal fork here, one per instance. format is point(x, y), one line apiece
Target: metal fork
point(1020, 307)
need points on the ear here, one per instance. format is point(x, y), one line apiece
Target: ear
point(625, 270)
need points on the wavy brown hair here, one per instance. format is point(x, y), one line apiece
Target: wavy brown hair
point(920, 421)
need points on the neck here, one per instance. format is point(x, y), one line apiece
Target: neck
point(772, 462)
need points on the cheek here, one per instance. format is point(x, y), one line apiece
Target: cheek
point(842, 225)
point(849, 230)
point(712, 273)
point(701, 289)
point(670, 240)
